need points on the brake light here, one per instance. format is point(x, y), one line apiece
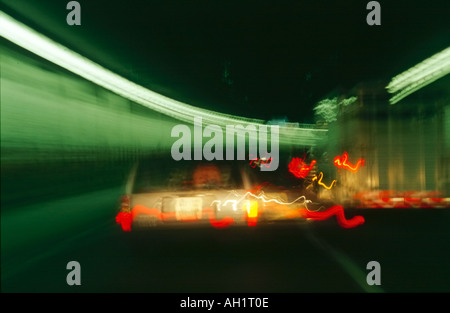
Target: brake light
point(252, 212)
point(125, 220)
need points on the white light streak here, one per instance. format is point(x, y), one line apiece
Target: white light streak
point(58, 54)
point(262, 197)
point(420, 76)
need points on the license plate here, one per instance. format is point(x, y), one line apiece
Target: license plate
point(188, 208)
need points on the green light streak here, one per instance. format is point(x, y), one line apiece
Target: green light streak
point(419, 76)
point(62, 56)
point(46, 48)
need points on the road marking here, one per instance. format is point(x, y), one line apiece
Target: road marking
point(355, 272)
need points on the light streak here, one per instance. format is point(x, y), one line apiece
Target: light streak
point(254, 162)
point(125, 219)
point(260, 161)
point(33, 41)
point(46, 48)
point(219, 204)
point(266, 199)
point(341, 162)
point(419, 76)
point(333, 183)
point(299, 168)
point(262, 197)
point(405, 199)
point(337, 210)
point(224, 222)
point(234, 204)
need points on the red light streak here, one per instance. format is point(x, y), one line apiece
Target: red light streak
point(224, 222)
point(125, 219)
point(299, 168)
point(260, 161)
point(254, 162)
point(386, 199)
point(341, 162)
point(259, 188)
point(337, 210)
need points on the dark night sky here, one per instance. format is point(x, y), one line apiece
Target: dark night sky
point(282, 56)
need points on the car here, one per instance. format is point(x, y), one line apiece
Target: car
point(167, 193)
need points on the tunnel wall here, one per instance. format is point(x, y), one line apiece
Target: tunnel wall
point(63, 135)
point(49, 113)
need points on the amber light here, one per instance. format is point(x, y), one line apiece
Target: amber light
point(251, 207)
point(322, 184)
